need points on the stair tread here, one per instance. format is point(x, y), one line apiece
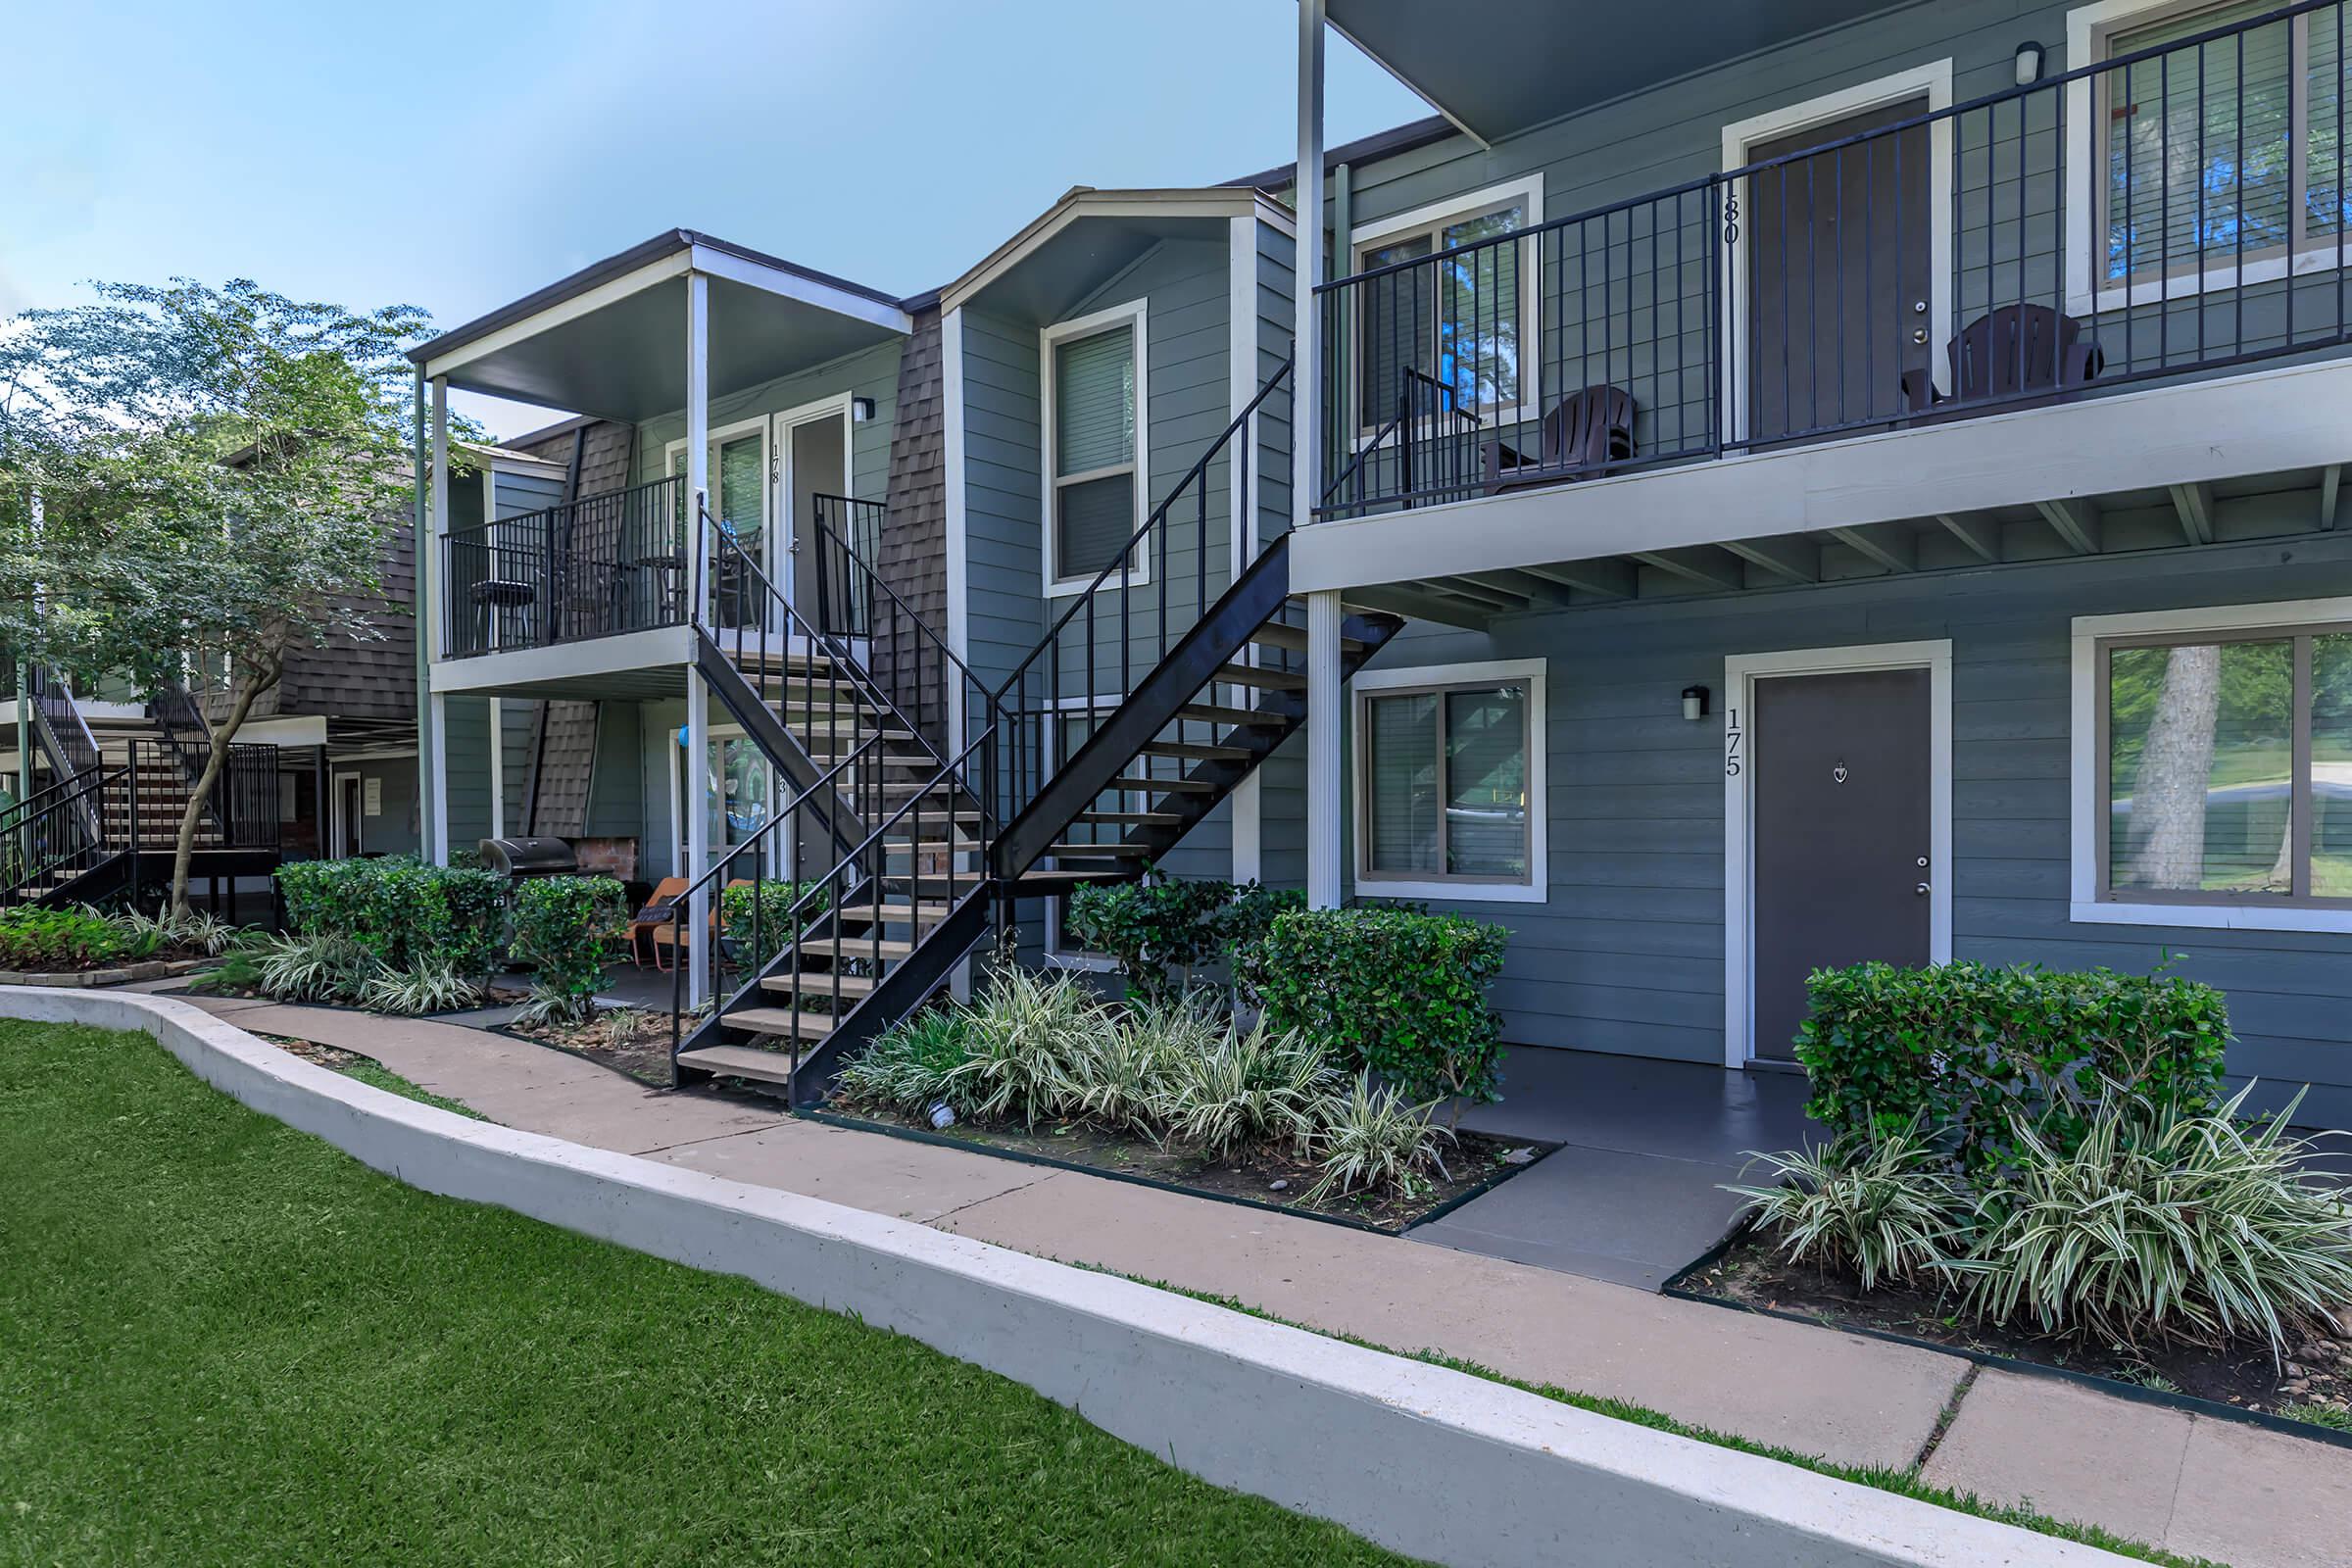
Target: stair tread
point(823, 982)
point(1278, 634)
point(1053, 881)
point(781, 1021)
point(740, 1061)
point(1146, 818)
point(1196, 751)
point(1092, 851)
point(894, 912)
point(1218, 713)
point(1263, 675)
point(1176, 786)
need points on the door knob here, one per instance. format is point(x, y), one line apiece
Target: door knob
point(1919, 334)
point(1921, 890)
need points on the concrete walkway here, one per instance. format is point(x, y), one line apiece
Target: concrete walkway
point(2220, 1489)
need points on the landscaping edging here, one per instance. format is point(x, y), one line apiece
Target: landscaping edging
point(1432, 1463)
point(127, 974)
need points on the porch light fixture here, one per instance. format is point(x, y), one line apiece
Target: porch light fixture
point(1694, 703)
point(2029, 63)
point(861, 409)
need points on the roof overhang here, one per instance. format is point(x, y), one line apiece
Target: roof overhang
point(610, 339)
point(1497, 67)
point(1089, 236)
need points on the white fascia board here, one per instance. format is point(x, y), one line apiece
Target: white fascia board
point(1079, 206)
point(306, 729)
point(587, 303)
point(2263, 421)
point(791, 285)
point(654, 648)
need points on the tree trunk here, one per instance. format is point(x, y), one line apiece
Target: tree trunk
point(251, 681)
point(2176, 769)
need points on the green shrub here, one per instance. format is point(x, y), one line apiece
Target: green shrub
point(1398, 991)
point(757, 918)
point(563, 929)
point(431, 986)
point(1886, 1207)
point(400, 911)
point(1965, 1049)
point(35, 939)
point(315, 969)
point(1162, 928)
point(911, 1066)
point(2195, 1226)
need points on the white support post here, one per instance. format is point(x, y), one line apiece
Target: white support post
point(432, 822)
point(697, 763)
point(698, 439)
point(1326, 711)
point(1306, 375)
point(1241, 385)
point(498, 770)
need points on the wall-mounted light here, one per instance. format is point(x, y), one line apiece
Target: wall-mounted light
point(861, 409)
point(1694, 703)
point(2029, 63)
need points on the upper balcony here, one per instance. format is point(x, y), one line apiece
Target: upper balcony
point(1885, 258)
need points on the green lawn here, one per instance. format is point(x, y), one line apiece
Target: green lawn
point(222, 1342)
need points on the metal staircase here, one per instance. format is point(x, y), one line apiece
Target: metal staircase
point(107, 818)
point(1159, 689)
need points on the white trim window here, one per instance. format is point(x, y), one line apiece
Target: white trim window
point(2214, 767)
point(1096, 382)
point(1449, 800)
point(2214, 163)
point(1468, 329)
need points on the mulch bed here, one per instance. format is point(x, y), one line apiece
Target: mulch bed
point(639, 1047)
point(1751, 1273)
point(1268, 1177)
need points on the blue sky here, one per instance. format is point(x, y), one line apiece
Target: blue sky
point(459, 156)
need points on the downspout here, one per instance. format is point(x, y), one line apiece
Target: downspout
point(425, 651)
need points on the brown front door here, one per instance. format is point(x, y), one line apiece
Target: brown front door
point(1842, 825)
point(1837, 276)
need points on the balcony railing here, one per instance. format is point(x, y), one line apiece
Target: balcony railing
point(593, 567)
point(2173, 209)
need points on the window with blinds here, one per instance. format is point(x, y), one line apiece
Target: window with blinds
point(1094, 425)
point(2223, 150)
point(1446, 785)
point(1459, 323)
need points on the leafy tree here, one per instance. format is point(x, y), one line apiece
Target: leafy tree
point(217, 472)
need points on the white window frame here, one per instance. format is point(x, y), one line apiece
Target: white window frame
point(1136, 315)
point(1536, 888)
point(2087, 290)
point(1431, 219)
point(1932, 81)
point(1056, 954)
point(2090, 903)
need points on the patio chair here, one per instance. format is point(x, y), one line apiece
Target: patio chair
point(653, 916)
point(2016, 349)
point(661, 938)
point(1584, 433)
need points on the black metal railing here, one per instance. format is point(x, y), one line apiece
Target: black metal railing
point(64, 734)
point(1123, 622)
point(2175, 208)
point(845, 549)
point(596, 566)
point(50, 837)
point(143, 803)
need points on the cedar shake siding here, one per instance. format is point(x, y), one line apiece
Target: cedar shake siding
point(913, 556)
point(348, 678)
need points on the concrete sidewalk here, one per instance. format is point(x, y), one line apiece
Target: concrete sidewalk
point(2221, 1490)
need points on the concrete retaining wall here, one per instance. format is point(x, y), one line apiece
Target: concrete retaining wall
point(1438, 1464)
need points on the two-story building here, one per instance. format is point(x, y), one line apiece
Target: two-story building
point(1805, 484)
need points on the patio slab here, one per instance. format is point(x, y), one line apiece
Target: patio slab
point(1633, 1219)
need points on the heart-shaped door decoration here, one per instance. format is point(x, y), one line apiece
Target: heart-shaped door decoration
point(1838, 772)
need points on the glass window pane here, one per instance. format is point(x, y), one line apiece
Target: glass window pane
point(1094, 402)
point(2328, 117)
point(1395, 326)
point(2198, 156)
point(1478, 326)
point(2331, 765)
point(2200, 761)
point(1486, 783)
point(1095, 519)
point(1402, 742)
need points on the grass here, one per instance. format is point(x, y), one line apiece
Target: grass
point(2334, 1417)
point(1903, 1482)
point(377, 1076)
point(230, 1343)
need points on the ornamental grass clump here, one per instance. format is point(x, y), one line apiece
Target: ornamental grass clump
point(1030, 1039)
point(1255, 1086)
point(1887, 1208)
point(1371, 1139)
point(2196, 1227)
point(1122, 1084)
point(911, 1066)
point(427, 986)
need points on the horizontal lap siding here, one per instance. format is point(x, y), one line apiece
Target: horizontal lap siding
point(869, 373)
point(1627, 953)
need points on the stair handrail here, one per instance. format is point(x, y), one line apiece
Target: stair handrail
point(62, 732)
point(853, 861)
point(843, 663)
point(1012, 713)
point(49, 828)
